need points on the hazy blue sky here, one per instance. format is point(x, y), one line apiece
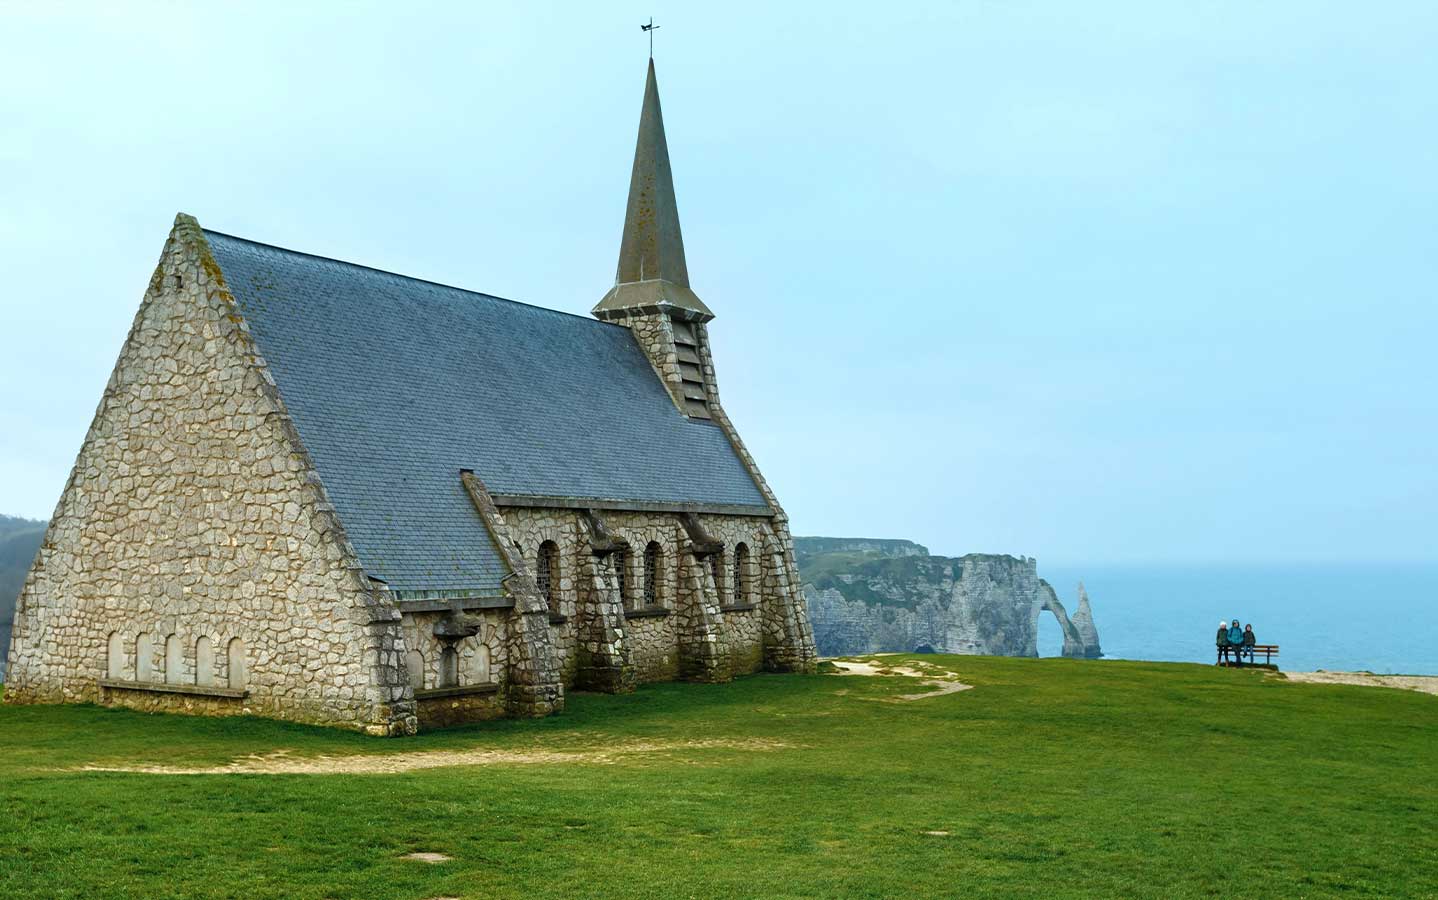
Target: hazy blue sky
point(1093, 282)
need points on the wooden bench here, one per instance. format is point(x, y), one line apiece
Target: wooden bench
point(1269, 651)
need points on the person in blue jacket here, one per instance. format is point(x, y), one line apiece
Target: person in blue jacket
point(1235, 640)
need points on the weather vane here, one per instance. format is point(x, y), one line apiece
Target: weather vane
point(650, 28)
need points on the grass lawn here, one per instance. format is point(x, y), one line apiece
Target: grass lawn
point(1049, 778)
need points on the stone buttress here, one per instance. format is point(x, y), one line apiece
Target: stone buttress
point(604, 662)
point(533, 684)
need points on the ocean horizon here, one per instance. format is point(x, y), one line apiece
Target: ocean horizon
point(1356, 617)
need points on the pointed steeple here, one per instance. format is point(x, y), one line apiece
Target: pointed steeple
point(652, 274)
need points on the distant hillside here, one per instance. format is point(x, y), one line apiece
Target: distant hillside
point(874, 547)
point(19, 541)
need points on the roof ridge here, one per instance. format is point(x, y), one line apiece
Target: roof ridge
point(401, 275)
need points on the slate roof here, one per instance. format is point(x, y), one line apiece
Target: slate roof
point(395, 384)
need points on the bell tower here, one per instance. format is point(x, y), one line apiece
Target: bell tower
point(651, 293)
point(652, 298)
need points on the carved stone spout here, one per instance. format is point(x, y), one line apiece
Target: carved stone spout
point(602, 541)
point(456, 626)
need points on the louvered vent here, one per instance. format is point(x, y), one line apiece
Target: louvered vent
point(686, 345)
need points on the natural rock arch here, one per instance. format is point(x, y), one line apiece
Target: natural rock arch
point(1077, 645)
point(1049, 602)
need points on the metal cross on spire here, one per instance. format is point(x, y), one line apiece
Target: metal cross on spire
point(650, 28)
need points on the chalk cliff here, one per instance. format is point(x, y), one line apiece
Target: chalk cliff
point(870, 596)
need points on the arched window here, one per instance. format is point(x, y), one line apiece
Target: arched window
point(414, 662)
point(716, 569)
point(174, 660)
point(479, 666)
point(546, 574)
point(204, 662)
point(620, 560)
point(115, 657)
point(741, 574)
point(144, 658)
point(236, 653)
point(448, 667)
point(653, 558)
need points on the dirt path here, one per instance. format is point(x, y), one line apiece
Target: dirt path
point(942, 680)
point(1427, 684)
point(280, 762)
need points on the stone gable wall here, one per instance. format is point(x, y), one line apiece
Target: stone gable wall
point(193, 511)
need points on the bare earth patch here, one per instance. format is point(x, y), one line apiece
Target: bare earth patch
point(424, 857)
point(1427, 684)
point(942, 680)
point(280, 762)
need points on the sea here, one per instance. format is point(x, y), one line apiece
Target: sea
point(1352, 618)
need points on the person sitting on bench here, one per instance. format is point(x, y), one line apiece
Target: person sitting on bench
point(1235, 641)
point(1223, 648)
point(1246, 646)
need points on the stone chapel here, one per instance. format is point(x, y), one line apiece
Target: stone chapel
point(321, 492)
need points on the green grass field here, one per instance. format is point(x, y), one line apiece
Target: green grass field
point(1049, 778)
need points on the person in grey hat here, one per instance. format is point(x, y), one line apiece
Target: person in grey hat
point(1223, 647)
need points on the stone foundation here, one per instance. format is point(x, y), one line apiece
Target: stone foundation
point(475, 703)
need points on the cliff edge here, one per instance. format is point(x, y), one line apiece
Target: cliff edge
point(870, 596)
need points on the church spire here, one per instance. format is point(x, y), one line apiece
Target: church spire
point(652, 274)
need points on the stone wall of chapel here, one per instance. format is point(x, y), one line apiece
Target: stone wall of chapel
point(189, 513)
point(653, 648)
point(653, 641)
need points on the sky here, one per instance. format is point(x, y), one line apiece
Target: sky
point(1100, 283)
